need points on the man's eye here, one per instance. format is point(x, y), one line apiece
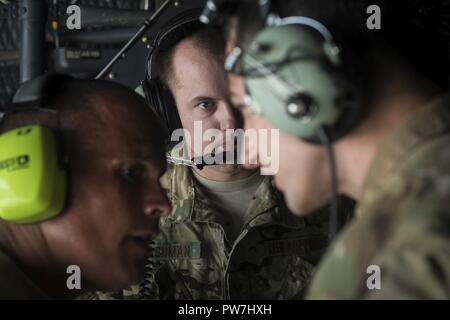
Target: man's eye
point(206, 105)
point(133, 173)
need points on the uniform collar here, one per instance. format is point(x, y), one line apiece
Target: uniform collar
point(189, 205)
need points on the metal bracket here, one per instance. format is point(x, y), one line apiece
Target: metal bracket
point(9, 10)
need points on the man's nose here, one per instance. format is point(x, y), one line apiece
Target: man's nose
point(226, 117)
point(156, 203)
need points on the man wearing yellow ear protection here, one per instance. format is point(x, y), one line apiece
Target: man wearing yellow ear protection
point(113, 155)
point(394, 159)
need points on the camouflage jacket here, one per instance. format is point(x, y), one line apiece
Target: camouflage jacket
point(403, 219)
point(272, 257)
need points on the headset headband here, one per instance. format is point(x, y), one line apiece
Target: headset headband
point(191, 17)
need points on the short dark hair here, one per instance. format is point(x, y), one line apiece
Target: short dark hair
point(209, 38)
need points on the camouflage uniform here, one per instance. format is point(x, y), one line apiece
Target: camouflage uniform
point(272, 257)
point(14, 284)
point(403, 219)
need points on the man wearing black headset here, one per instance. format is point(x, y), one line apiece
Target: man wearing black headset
point(393, 153)
point(229, 235)
point(114, 199)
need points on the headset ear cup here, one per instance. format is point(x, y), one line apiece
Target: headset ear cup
point(151, 93)
point(161, 100)
point(304, 95)
point(39, 190)
point(170, 108)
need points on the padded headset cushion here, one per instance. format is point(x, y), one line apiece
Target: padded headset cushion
point(161, 100)
point(34, 184)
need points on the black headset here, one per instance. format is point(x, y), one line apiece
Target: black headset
point(32, 163)
point(156, 92)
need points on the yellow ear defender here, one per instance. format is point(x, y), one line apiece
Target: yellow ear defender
point(33, 184)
